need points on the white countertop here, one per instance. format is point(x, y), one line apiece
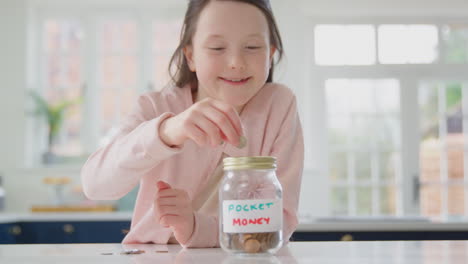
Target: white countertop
point(325, 225)
point(402, 252)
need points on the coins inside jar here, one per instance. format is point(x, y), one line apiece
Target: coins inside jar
point(251, 242)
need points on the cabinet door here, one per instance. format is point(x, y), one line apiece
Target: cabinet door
point(69, 232)
point(49, 232)
point(102, 232)
point(10, 233)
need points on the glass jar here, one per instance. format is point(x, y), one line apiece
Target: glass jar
point(251, 206)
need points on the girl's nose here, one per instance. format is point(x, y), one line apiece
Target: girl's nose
point(237, 62)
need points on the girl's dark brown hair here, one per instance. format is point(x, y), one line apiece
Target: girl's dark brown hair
point(178, 67)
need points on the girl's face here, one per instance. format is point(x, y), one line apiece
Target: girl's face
point(230, 52)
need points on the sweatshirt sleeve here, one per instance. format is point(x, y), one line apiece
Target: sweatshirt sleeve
point(205, 233)
point(113, 170)
point(289, 151)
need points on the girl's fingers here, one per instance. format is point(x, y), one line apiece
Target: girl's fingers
point(162, 185)
point(224, 125)
point(197, 135)
point(167, 193)
point(171, 220)
point(231, 113)
point(170, 201)
point(210, 129)
point(177, 193)
point(168, 210)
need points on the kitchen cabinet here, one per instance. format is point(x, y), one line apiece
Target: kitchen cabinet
point(73, 232)
point(10, 233)
point(111, 228)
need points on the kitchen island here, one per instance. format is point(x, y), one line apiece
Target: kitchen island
point(411, 252)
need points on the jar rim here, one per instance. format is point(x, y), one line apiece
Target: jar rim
point(252, 162)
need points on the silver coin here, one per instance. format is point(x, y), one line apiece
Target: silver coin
point(242, 142)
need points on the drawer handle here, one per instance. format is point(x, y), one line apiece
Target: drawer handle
point(69, 229)
point(16, 230)
point(347, 237)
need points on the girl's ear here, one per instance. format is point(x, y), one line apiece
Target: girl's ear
point(272, 52)
point(188, 53)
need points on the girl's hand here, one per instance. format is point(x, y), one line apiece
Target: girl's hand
point(174, 209)
point(207, 122)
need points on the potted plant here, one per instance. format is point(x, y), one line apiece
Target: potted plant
point(54, 115)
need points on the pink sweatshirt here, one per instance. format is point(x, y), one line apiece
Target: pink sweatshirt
point(138, 156)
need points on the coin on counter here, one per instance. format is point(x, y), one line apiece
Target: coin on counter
point(132, 251)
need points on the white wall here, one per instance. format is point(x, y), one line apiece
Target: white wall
point(12, 81)
point(12, 84)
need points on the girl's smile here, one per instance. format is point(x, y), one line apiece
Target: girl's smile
point(235, 81)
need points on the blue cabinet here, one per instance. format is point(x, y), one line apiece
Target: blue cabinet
point(48, 232)
point(102, 232)
point(10, 233)
point(59, 232)
point(63, 232)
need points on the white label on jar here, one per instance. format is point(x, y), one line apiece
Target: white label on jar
point(252, 216)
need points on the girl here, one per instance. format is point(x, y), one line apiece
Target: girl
point(175, 140)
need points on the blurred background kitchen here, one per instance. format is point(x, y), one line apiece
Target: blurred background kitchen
point(382, 88)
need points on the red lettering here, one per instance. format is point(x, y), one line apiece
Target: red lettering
point(254, 221)
point(236, 221)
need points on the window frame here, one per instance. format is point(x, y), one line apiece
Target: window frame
point(409, 76)
point(88, 15)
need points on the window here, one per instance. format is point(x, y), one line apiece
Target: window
point(345, 44)
point(61, 73)
point(364, 146)
point(395, 103)
point(166, 39)
point(455, 39)
point(118, 72)
point(402, 44)
point(104, 59)
point(442, 149)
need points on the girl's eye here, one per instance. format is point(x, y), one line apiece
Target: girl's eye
point(253, 47)
point(218, 49)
